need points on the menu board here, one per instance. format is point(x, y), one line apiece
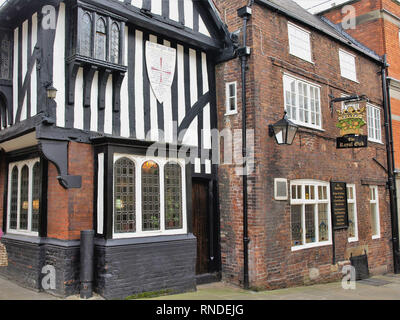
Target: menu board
point(340, 219)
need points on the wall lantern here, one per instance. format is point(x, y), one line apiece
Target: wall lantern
point(51, 92)
point(284, 131)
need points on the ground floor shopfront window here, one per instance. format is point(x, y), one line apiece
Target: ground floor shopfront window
point(310, 214)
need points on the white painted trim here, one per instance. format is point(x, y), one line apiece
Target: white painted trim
point(100, 193)
point(20, 164)
point(229, 112)
point(139, 161)
point(292, 27)
point(378, 216)
point(354, 201)
point(341, 53)
point(276, 180)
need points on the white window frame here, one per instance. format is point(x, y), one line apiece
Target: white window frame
point(228, 98)
point(286, 79)
point(377, 213)
point(348, 70)
point(294, 35)
point(316, 201)
point(276, 180)
point(161, 162)
point(372, 123)
point(354, 202)
point(20, 164)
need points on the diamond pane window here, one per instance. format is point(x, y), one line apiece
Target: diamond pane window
point(173, 196)
point(36, 187)
point(24, 205)
point(310, 223)
point(5, 57)
point(86, 35)
point(124, 196)
point(100, 39)
point(297, 229)
point(115, 43)
point(150, 196)
point(14, 199)
point(323, 222)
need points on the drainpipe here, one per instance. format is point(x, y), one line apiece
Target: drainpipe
point(86, 264)
point(390, 162)
point(244, 53)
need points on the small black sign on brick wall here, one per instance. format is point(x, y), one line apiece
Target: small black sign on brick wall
point(360, 263)
point(340, 217)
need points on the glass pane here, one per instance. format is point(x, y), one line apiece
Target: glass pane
point(150, 196)
point(294, 196)
point(350, 194)
point(297, 231)
point(310, 223)
point(124, 196)
point(5, 57)
point(101, 39)
point(352, 221)
point(115, 43)
point(86, 35)
point(23, 220)
point(14, 199)
point(374, 220)
point(36, 188)
point(323, 222)
point(173, 196)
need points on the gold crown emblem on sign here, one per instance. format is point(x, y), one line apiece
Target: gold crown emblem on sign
point(351, 120)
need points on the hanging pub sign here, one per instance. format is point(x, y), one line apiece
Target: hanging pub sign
point(340, 219)
point(350, 122)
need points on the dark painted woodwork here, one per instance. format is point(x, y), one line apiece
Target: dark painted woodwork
point(201, 225)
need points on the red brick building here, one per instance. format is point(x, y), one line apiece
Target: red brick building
point(377, 25)
point(297, 56)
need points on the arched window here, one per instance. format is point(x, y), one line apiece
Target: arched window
point(24, 205)
point(86, 35)
point(3, 112)
point(114, 43)
point(173, 196)
point(124, 196)
point(5, 56)
point(100, 40)
point(36, 187)
point(14, 199)
point(150, 196)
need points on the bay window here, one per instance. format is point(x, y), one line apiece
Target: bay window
point(149, 196)
point(310, 214)
point(24, 192)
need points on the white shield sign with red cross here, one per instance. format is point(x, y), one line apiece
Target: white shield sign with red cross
point(161, 61)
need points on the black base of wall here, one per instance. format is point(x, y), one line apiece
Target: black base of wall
point(27, 258)
point(129, 267)
point(122, 267)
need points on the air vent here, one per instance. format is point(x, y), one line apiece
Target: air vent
point(281, 189)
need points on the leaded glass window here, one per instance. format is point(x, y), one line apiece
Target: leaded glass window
point(24, 205)
point(36, 188)
point(115, 43)
point(5, 57)
point(150, 196)
point(173, 196)
point(309, 213)
point(100, 39)
point(124, 196)
point(86, 35)
point(14, 199)
point(25, 188)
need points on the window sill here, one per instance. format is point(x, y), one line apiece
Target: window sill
point(231, 113)
point(350, 240)
point(149, 234)
point(84, 60)
point(376, 237)
point(356, 81)
point(311, 245)
point(305, 126)
point(375, 141)
point(303, 59)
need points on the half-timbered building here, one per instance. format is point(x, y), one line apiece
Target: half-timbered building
point(87, 89)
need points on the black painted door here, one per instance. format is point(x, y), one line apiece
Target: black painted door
point(200, 203)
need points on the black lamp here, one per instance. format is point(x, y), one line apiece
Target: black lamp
point(284, 131)
point(51, 92)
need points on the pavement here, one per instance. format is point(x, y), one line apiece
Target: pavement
point(386, 287)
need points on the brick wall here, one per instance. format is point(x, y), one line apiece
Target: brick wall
point(313, 155)
point(71, 211)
